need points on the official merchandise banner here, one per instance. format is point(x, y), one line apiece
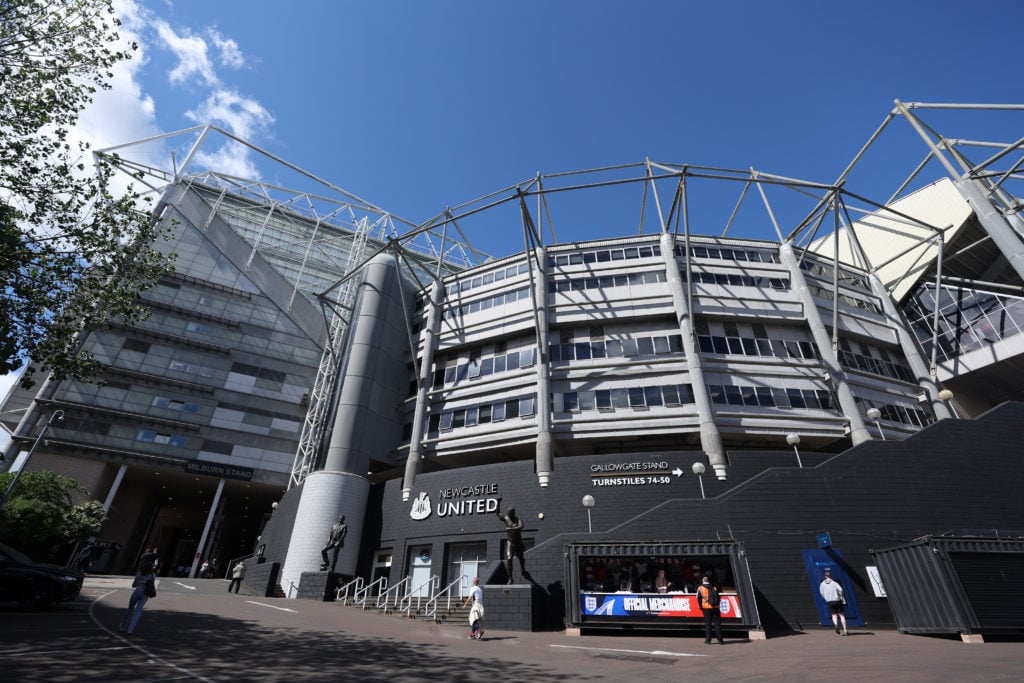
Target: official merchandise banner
point(647, 605)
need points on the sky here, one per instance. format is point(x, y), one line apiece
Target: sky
point(416, 105)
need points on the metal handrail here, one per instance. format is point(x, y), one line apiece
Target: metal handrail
point(360, 595)
point(383, 599)
point(405, 605)
point(429, 611)
point(354, 585)
point(231, 564)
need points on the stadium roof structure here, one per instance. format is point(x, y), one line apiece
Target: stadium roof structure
point(926, 228)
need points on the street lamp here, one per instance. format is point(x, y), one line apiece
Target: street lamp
point(874, 414)
point(57, 416)
point(793, 439)
point(698, 469)
point(947, 396)
point(588, 502)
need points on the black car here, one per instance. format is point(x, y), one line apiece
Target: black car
point(35, 584)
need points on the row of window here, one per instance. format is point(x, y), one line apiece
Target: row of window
point(605, 281)
point(488, 278)
point(149, 436)
point(470, 416)
point(737, 280)
point(824, 271)
point(455, 311)
point(908, 416)
point(174, 404)
point(603, 255)
point(626, 397)
point(729, 254)
point(644, 397)
point(823, 293)
point(875, 366)
point(771, 397)
point(745, 346)
point(482, 367)
point(616, 348)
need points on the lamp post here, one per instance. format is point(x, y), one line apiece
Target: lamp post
point(698, 469)
point(793, 439)
point(947, 396)
point(57, 416)
point(588, 502)
point(874, 414)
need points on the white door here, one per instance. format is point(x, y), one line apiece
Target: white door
point(419, 570)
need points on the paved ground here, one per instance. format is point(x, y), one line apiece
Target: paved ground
point(195, 631)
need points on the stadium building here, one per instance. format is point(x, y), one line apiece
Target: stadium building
point(758, 407)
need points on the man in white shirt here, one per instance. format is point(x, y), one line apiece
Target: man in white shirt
point(476, 612)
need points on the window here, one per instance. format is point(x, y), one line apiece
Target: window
point(586, 400)
point(485, 414)
point(603, 398)
point(636, 397)
point(512, 408)
point(620, 398)
point(135, 345)
point(471, 416)
point(498, 412)
point(652, 395)
point(446, 421)
point(570, 402)
point(796, 399)
point(527, 406)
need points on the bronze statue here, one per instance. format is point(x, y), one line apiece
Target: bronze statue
point(336, 541)
point(514, 529)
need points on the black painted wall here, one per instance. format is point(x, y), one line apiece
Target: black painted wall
point(954, 475)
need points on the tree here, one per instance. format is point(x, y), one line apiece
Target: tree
point(72, 255)
point(41, 512)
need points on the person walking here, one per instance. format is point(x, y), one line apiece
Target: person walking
point(145, 588)
point(237, 574)
point(832, 594)
point(710, 604)
point(476, 612)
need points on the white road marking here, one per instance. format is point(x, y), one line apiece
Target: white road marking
point(663, 653)
point(191, 588)
point(263, 604)
point(153, 658)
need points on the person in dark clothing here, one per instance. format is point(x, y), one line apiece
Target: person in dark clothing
point(712, 610)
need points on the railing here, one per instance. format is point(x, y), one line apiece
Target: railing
point(417, 594)
point(231, 564)
point(383, 599)
point(360, 595)
point(430, 609)
point(352, 586)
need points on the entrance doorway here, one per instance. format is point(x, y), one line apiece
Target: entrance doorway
point(419, 570)
point(464, 563)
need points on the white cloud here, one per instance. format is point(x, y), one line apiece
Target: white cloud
point(243, 116)
point(191, 51)
point(230, 55)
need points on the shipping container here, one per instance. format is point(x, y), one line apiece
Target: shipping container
point(956, 584)
point(652, 585)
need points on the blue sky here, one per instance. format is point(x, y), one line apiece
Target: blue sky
point(416, 105)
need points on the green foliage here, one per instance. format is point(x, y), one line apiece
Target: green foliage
point(42, 512)
point(72, 255)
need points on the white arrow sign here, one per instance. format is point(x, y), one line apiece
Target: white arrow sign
point(678, 472)
point(191, 588)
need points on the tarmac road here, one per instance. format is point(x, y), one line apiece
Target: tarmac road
point(195, 631)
